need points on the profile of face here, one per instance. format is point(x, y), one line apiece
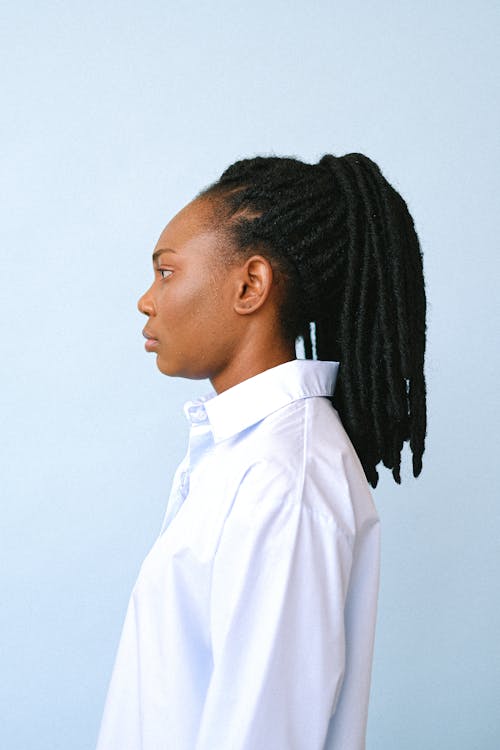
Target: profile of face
point(187, 303)
point(206, 315)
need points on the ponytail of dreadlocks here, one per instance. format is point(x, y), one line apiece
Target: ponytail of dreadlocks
point(346, 243)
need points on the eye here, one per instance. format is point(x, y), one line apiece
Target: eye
point(164, 272)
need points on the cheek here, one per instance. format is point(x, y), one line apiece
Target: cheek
point(184, 310)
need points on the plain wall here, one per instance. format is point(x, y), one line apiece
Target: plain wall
point(114, 114)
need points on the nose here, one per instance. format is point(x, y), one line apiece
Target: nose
point(145, 305)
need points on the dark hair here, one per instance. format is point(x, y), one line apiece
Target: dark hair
point(346, 242)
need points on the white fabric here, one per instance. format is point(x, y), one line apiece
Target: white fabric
point(251, 624)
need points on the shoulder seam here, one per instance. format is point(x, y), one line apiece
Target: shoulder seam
point(305, 445)
point(321, 517)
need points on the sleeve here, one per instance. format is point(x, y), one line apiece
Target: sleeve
point(280, 577)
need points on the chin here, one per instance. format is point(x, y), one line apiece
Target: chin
point(174, 370)
point(167, 367)
point(164, 366)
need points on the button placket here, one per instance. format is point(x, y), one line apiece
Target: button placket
point(200, 437)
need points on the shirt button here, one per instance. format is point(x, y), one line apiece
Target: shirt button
point(184, 482)
point(198, 415)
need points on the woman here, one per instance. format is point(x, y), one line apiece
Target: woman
point(251, 624)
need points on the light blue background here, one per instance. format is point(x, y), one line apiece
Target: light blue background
point(113, 115)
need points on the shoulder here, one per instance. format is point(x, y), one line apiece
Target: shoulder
point(302, 455)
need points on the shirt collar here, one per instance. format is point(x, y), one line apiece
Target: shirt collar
point(250, 401)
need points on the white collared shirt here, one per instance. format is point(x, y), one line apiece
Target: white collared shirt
point(251, 624)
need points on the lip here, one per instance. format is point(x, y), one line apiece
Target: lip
point(151, 342)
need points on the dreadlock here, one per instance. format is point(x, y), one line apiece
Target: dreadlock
point(346, 242)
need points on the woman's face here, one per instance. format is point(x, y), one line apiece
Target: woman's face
point(191, 325)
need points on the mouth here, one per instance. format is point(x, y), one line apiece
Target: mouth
point(151, 342)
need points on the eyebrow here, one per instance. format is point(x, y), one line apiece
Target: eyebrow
point(160, 251)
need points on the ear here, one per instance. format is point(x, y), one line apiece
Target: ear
point(254, 284)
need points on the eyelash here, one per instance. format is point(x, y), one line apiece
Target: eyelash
point(163, 271)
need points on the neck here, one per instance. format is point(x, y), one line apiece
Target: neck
point(251, 359)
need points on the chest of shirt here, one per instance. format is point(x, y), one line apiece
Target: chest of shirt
point(178, 566)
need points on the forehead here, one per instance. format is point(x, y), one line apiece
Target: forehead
point(192, 222)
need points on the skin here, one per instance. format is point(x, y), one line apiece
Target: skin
point(208, 316)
